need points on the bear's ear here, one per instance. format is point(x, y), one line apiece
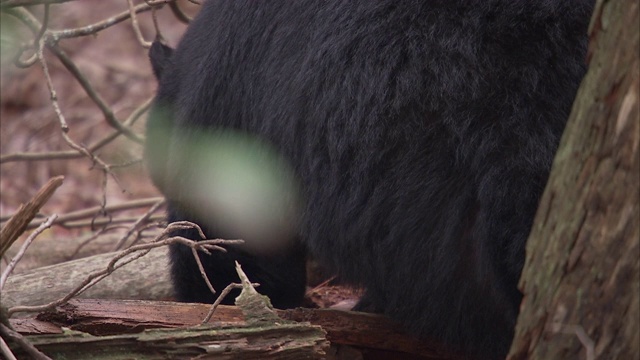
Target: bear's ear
point(159, 54)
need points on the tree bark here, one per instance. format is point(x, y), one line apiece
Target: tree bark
point(581, 277)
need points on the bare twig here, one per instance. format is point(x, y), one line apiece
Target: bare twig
point(21, 63)
point(57, 155)
point(88, 213)
point(104, 24)
point(18, 223)
point(156, 25)
point(12, 264)
point(143, 219)
point(108, 221)
point(43, 27)
point(93, 95)
point(136, 27)
point(180, 15)
point(54, 101)
point(223, 294)
point(50, 39)
point(202, 272)
point(53, 95)
point(91, 238)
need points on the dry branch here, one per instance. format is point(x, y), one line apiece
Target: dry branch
point(92, 212)
point(19, 222)
point(16, 258)
point(58, 249)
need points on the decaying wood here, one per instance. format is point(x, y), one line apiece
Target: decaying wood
point(289, 340)
point(582, 275)
point(366, 330)
point(145, 278)
point(19, 222)
point(109, 317)
point(260, 335)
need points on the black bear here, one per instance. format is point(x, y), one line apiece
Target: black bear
point(415, 139)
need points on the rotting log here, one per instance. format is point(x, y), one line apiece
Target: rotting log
point(370, 333)
point(257, 341)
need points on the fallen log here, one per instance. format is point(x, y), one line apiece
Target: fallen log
point(145, 278)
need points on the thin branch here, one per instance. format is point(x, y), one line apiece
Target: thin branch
point(136, 27)
point(223, 294)
point(43, 27)
point(88, 213)
point(50, 39)
point(54, 101)
point(179, 14)
point(143, 219)
point(97, 99)
point(19, 221)
point(72, 154)
point(89, 239)
point(202, 272)
point(53, 96)
point(104, 24)
point(108, 221)
point(12, 264)
point(21, 63)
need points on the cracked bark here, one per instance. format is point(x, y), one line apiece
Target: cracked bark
point(581, 277)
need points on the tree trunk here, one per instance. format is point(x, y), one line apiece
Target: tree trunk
point(581, 277)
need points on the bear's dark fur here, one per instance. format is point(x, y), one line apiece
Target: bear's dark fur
point(421, 132)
